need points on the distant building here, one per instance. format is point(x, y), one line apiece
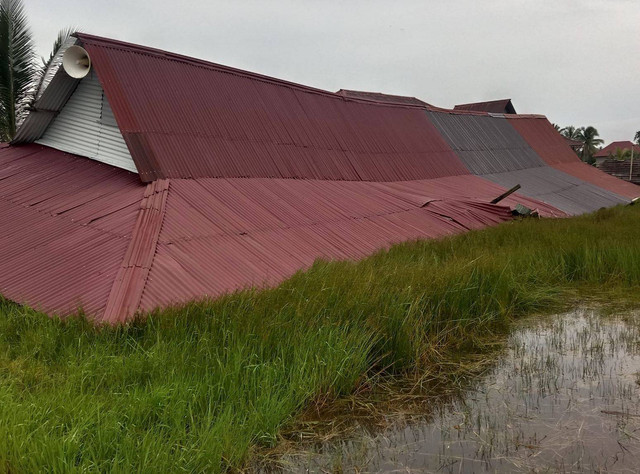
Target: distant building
point(502, 106)
point(574, 144)
point(611, 149)
point(622, 169)
point(382, 98)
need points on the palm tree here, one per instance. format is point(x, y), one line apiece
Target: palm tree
point(590, 141)
point(556, 126)
point(17, 67)
point(570, 132)
point(636, 138)
point(622, 154)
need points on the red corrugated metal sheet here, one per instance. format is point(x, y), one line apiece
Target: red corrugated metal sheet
point(67, 223)
point(553, 149)
point(383, 98)
point(220, 235)
point(132, 276)
point(184, 118)
point(501, 106)
point(84, 234)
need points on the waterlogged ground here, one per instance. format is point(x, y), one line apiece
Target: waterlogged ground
point(564, 397)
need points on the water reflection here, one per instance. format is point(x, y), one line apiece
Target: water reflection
point(564, 397)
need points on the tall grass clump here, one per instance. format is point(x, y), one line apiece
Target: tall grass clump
point(198, 387)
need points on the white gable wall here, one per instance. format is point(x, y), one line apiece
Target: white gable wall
point(85, 126)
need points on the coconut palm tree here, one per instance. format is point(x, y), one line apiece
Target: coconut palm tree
point(570, 132)
point(17, 67)
point(622, 154)
point(590, 141)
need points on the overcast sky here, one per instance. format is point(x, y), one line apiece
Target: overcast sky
point(576, 61)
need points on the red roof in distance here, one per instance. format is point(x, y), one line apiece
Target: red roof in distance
point(382, 98)
point(612, 147)
point(502, 106)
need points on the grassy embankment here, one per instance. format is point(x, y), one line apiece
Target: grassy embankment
point(197, 388)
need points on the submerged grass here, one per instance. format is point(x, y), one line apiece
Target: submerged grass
point(199, 387)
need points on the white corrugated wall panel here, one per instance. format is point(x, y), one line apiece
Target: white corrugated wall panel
point(85, 126)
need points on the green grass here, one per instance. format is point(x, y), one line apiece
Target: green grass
point(200, 387)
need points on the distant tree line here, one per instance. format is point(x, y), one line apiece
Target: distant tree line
point(587, 136)
point(22, 76)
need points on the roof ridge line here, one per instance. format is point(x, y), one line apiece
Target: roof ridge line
point(131, 279)
point(196, 62)
point(161, 53)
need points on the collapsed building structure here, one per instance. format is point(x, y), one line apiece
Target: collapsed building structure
point(142, 178)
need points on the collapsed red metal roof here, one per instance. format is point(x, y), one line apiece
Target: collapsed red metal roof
point(244, 179)
point(87, 235)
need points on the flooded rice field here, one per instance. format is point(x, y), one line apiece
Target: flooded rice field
point(563, 397)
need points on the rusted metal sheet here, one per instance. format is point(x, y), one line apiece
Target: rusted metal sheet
point(184, 118)
point(554, 150)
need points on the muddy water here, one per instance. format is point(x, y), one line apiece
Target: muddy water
point(564, 397)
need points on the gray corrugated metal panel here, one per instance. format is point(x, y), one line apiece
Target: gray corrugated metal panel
point(485, 144)
point(52, 99)
point(33, 126)
point(85, 126)
point(58, 91)
point(561, 190)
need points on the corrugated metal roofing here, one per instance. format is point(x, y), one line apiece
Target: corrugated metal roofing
point(485, 144)
point(491, 147)
point(220, 235)
point(554, 150)
point(68, 223)
point(559, 189)
point(501, 106)
point(86, 127)
point(89, 235)
point(188, 119)
point(383, 98)
point(214, 145)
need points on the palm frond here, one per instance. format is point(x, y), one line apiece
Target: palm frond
point(17, 68)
